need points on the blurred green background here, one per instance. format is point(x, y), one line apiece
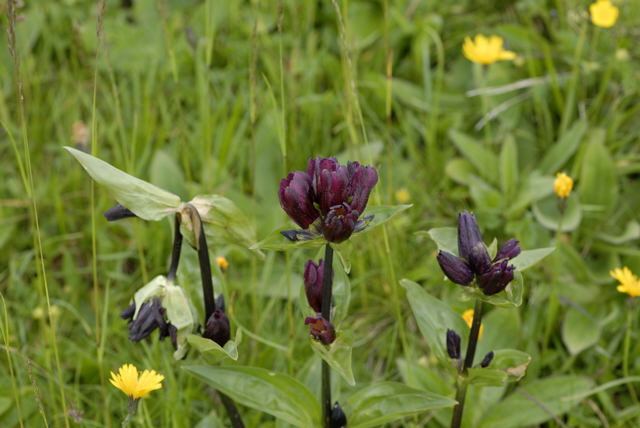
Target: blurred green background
point(227, 97)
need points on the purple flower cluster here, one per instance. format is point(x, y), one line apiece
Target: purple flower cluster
point(329, 198)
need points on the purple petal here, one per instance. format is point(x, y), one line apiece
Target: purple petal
point(456, 269)
point(468, 234)
point(509, 250)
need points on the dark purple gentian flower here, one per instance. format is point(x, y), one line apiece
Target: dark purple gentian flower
point(327, 199)
point(492, 276)
point(150, 317)
point(218, 328)
point(313, 280)
point(321, 330)
point(453, 344)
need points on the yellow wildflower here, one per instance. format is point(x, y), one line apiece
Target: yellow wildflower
point(402, 195)
point(483, 50)
point(222, 263)
point(629, 283)
point(135, 387)
point(603, 13)
point(467, 316)
point(563, 185)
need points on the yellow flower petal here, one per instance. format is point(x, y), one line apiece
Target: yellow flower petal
point(127, 381)
point(603, 13)
point(483, 50)
point(629, 283)
point(562, 185)
point(467, 316)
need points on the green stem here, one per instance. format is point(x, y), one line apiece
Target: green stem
point(461, 391)
point(327, 284)
point(625, 358)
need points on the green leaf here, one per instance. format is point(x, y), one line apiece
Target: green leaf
point(549, 214)
point(383, 402)
point(434, 317)
point(563, 149)
point(461, 171)
point(508, 365)
point(446, 238)
point(211, 351)
point(144, 199)
point(536, 402)
point(166, 174)
point(579, 331)
point(337, 355)
point(510, 297)
point(597, 185)
point(224, 222)
point(277, 394)
point(485, 161)
point(528, 258)
point(534, 188)
point(509, 167)
point(382, 214)
point(631, 232)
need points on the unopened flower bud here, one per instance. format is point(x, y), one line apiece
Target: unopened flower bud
point(453, 344)
point(118, 212)
point(487, 360)
point(338, 418)
point(313, 280)
point(150, 317)
point(509, 250)
point(456, 269)
point(468, 234)
point(218, 328)
point(496, 278)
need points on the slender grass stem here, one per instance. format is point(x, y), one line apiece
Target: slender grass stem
point(461, 391)
point(627, 344)
point(327, 285)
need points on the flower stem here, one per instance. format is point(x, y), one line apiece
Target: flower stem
point(175, 254)
point(461, 391)
point(232, 411)
point(327, 285)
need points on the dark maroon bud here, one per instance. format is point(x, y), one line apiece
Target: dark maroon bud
point(361, 182)
point(127, 314)
point(220, 304)
point(338, 418)
point(453, 344)
point(296, 198)
point(118, 212)
point(479, 260)
point(150, 317)
point(509, 250)
point(321, 330)
point(218, 328)
point(339, 223)
point(456, 269)
point(487, 360)
point(313, 280)
point(496, 279)
point(468, 234)
point(169, 330)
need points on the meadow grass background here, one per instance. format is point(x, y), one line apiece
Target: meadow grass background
point(227, 97)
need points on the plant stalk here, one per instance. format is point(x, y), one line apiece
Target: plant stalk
point(461, 391)
point(327, 284)
point(175, 253)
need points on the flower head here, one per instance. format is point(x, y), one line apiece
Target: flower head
point(222, 263)
point(321, 330)
point(402, 195)
point(313, 281)
point(603, 13)
point(467, 316)
point(329, 196)
point(218, 328)
point(128, 381)
point(629, 283)
point(151, 316)
point(483, 50)
point(473, 260)
point(562, 185)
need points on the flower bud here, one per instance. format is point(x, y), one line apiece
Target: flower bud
point(313, 280)
point(509, 250)
point(468, 234)
point(118, 212)
point(321, 330)
point(338, 418)
point(487, 360)
point(296, 198)
point(150, 317)
point(218, 328)
point(453, 344)
point(339, 223)
point(496, 278)
point(456, 269)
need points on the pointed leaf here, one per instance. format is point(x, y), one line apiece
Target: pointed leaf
point(211, 351)
point(446, 238)
point(485, 161)
point(507, 365)
point(563, 149)
point(579, 331)
point(337, 355)
point(528, 258)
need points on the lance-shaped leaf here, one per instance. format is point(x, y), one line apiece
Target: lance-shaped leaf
point(277, 394)
point(337, 355)
point(143, 199)
point(211, 351)
point(507, 365)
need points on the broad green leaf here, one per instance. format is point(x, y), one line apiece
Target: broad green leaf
point(166, 174)
point(485, 161)
point(509, 167)
point(485, 196)
point(510, 297)
point(446, 238)
point(382, 214)
point(579, 331)
point(434, 317)
point(508, 365)
point(563, 149)
point(631, 232)
point(461, 171)
point(534, 188)
point(211, 351)
point(144, 199)
point(537, 402)
point(528, 258)
point(341, 292)
point(597, 186)
point(383, 402)
point(277, 394)
point(549, 213)
point(224, 222)
point(337, 355)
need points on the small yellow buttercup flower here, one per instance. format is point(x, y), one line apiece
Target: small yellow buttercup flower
point(467, 316)
point(629, 283)
point(135, 387)
point(562, 185)
point(222, 263)
point(402, 195)
point(483, 50)
point(603, 13)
